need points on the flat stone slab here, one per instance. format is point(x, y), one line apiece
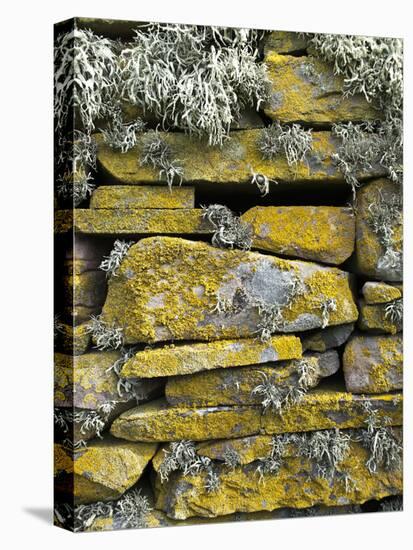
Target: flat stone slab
point(322, 408)
point(149, 221)
point(373, 364)
point(103, 471)
point(379, 293)
point(295, 486)
point(231, 164)
point(235, 386)
point(187, 359)
point(320, 233)
point(373, 318)
point(324, 339)
point(371, 258)
point(139, 197)
point(305, 89)
point(169, 288)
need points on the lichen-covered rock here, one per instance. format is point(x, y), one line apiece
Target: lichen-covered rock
point(375, 318)
point(380, 293)
point(144, 196)
point(373, 364)
point(305, 89)
point(324, 339)
point(84, 295)
point(231, 164)
point(102, 471)
point(295, 485)
point(284, 42)
point(235, 386)
point(73, 340)
point(190, 358)
point(320, 409)
point(150, 221)
point(379, 215)
point(169, 289)
point(320, 233)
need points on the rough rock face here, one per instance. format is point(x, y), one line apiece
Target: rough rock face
point(144, 196)
point(235, 386)
point(171, 289)
point(131, 221)
point(295, 485)
point(284, 42)
point(330, 337)
point(373, 364)
point(103, 471)
point(230, 164)
point(187, 359)
point(321, 408)
point(305, 89)
point(375, 318)
point(372, 257)
point(319, 233)
point(380, 293)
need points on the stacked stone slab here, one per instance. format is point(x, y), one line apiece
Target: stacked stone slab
point(193, 351)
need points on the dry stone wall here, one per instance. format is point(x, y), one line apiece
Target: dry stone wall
point(199, 378)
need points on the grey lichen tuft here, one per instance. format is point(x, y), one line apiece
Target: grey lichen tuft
point(394, 311)
point(276, 397)
point(122, 135)
point(129, 388)
point(104, 335)
point(327, 305)
point(262, 182)
point(182, 455)
point(231, 458)
point(75, 186)
point(230, 230)
point(85, 514)
point(272, 463)
point(111, 263)
point(158, 154)
point(385, 449)
point(131, 510)
point(212, 481)
point(211, 74)
point(292, 141)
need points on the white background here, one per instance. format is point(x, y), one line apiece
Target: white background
point(26, 273)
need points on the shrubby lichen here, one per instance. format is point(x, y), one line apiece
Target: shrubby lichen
point(230, 230)
point(158, 154)
point(111, 263)
point(104, 335)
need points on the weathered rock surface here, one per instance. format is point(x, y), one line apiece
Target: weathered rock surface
point(321, 233)
point(322, 408)
point(284, 42)
point(295, 485)
point(84, 295)
point(140, 197)
point(324, 339)
point(73, 340)
point(103, 471)
point(235, 386)
point(380, 293)
point(148, 221)
point(373, 364)
point(190, 358)
point(231, 164)
point(374, 318)
point(305, 89)
point(372, 258)
point(168, 289)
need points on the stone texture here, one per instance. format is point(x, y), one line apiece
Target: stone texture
point(322, 408)
point(284, 42)
point(103, 471)
point(148, 221)
point(321, 233)
point(235, 386)
point(73, 340)
point(186, 359)
point(167, 289)
point(373, 319)
point(380, 293)
point(230, 164)
point(324, 339)
point(305, 89)
point(370, 254)
point(249, 118)
point(139, 197)
point(295, 486)
point(373, 364)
